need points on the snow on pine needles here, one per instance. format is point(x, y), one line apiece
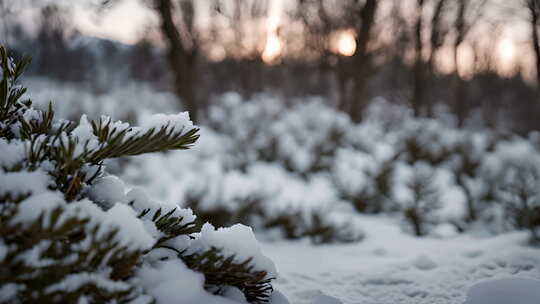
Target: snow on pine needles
point(71, 233)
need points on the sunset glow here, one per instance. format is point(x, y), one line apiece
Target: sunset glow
point(272, 49)
point(507, 50)
point(506, 53)
point(346, 44)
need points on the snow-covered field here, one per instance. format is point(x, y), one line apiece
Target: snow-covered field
point(289, 172)
point(391, 267)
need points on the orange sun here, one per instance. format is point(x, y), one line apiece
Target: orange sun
point(272, 49)
point(506, 53)
point(346, 43)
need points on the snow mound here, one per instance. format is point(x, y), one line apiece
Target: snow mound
point(424, 263)
point(505, 291)
point(237, 240)
point(324, 299)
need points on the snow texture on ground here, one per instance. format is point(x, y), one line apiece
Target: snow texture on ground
point(390, 267)
point(503, 291)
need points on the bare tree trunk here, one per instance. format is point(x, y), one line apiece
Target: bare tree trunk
point(534, 10)
point(459, 104)
point(417, 99)
point(342, 78)
point(436, 41)
point(181, 59)
point(362, 60)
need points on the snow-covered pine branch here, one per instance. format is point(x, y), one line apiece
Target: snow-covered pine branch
point(69, 233)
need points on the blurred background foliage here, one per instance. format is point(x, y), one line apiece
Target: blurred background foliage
point(478, 59)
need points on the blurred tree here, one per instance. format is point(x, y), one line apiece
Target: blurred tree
point(51, 39)
point(459, 104)
point(362, 58)
point(250, 26)
point(144, 63)
point(418, 90)
point(438, 32)
point(396, 55)
point(187, 40)
point(467, 16)
point(352, 74)
point(183, 49)
point(533, 7)
point(58, 56)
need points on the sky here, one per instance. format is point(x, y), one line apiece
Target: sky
point(124, 21)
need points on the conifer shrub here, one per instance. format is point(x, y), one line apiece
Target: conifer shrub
point(515, 166)
point(312, 141)
point(520, 196)
point(291, 224)
point(303, 138)
point(428, 141)
point(365, 180)
point(423, 199)
point(467, 164)
point(69, 233)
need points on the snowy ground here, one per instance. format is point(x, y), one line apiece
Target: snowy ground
point(390, 267)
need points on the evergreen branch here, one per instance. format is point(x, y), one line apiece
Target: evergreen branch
point(171, 226)
point(126, 142)
point(66, 246)
point(220, 271)
point(61, 257)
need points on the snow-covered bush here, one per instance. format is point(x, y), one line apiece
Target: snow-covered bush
point(417, 195)
point(311, 139)
point(364, 179)
point(293, 168)
point(70, 233)
point(427, 140)
point(264, 196)
point(126, 102)
point(466, 162)
point(515, 165)
point(303, 138)
point(245, 126)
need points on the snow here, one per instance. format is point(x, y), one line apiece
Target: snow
point(278, 298)
point(8, 291)
point(122, 217)
point(423, 262)
point(298, 160)
point(125, 101)
point(324, 299)
point(237, 240)
point(505, 290)
point(75, 281)
point(390, 267)
point(37, 204)
point(87, 141)
point(171, 282)
point(234, 294)
point(353, 171)
point(130, 225)
point(23, 182)
point(13, 152)
point(179, 122)
point(139, 200)
point(107, 190)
